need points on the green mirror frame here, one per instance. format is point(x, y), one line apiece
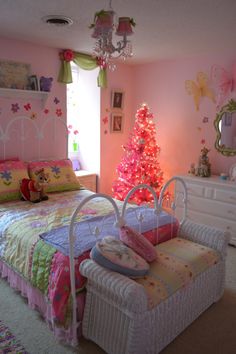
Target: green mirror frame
point(229, 107)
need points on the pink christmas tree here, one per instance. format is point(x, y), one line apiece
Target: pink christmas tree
point(140, 163)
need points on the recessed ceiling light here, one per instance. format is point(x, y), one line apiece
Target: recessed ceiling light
point(57, 20)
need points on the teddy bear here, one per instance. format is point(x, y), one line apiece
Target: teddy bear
point(33, 190)
point(46, 83)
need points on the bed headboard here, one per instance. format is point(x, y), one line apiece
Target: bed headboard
point(31, 139)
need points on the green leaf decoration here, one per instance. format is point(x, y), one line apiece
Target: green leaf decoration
point(232, 105)
point(132, 22)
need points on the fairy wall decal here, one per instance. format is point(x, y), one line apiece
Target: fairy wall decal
point(199, 88)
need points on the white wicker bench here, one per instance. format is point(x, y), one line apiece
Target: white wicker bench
point(116, 314)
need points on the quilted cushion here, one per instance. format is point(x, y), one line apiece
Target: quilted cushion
point(114, 255)
point(61, 176)
point(138, 243)
point(11, 174)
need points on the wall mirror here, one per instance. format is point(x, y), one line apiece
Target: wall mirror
point(225, 124)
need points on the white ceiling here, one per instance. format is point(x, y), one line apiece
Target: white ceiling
point(166, 29)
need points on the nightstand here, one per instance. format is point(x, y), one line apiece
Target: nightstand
point(87, 179)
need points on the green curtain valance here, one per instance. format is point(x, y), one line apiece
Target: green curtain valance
point(84, 61)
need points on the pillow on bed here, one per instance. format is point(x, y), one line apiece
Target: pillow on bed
point(138, 243)
point(61, 176)
point(11, 174)
point(114, 255)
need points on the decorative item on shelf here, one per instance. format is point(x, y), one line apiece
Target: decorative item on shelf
point(14, 75)
point(204, 166)
point(75, 146)
point(33, 83)
point(192, 169)
point(223, 176)
point(75, 160)
point(46, 83)
point(199, 89)
point(103, 27)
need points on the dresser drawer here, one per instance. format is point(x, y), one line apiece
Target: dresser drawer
point(212, 207)
point(225, 196)
point(193, 189)
point(207, 219)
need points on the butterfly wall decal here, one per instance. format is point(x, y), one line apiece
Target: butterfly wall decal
point(199, 89)
point(224, 81)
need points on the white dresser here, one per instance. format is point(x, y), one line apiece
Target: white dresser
point(211, 201)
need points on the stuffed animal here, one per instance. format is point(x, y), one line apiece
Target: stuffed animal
point(33, 190)
point(46, 83)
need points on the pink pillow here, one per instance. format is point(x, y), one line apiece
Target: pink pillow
point(61, 176)
point(11, 174)
point(138, 243)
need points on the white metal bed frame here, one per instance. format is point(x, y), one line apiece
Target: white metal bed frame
point(19, 128)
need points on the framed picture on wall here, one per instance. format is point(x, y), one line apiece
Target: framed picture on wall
point(117, 122)
point(14, 74)
point(117, 99)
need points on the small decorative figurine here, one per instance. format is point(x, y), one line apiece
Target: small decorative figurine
point(192, 170)
point(204, 166)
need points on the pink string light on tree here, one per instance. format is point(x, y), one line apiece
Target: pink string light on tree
point(140, 162)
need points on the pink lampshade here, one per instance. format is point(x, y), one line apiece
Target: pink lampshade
point(105, 20)
point(103, 23)
point(124, 27)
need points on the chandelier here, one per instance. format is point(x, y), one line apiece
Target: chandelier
point(104, 27)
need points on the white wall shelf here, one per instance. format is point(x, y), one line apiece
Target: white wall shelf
point(36, 95)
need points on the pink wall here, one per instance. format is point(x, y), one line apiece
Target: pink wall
point(44, 62)
point(111, 143)
point(180, 128)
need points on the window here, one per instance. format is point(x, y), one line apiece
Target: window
point(83, 116)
